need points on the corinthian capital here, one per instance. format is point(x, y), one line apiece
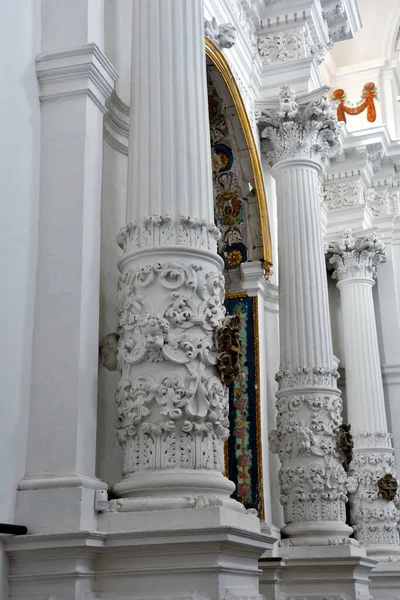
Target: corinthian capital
point(293, 131)
point(355, 257)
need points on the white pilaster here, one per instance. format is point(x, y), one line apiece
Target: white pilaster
point(255, 284)
point(57, 493)
point(312, 480)
point(372, 473)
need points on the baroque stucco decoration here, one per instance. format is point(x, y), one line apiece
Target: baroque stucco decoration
point(223, 36)
point(188, 404)
point(356, 257)
point(298, 132)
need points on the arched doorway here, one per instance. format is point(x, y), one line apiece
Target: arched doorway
point(241, 215)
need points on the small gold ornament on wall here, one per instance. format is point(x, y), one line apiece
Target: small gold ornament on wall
point(369, 94)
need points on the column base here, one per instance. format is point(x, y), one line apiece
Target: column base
point(385, 580)
point(170, 489)
point(314, 533)
point(205, 554)
point(57, 504)
point(383, 552)
point(329, 572)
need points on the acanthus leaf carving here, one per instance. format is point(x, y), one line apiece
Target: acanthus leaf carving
point(355, 257)
point(163, 230)
point(341, 194)
point(292, 131)
point(176, 417)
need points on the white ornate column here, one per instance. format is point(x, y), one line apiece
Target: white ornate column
point(372, 471)
point(313, 482)
point(172, 409)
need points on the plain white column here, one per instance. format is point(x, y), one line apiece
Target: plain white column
point(57, 492)
point(295, 139)
point(372, 471)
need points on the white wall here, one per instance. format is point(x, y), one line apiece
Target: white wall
point(19, 193)
point(117, 42)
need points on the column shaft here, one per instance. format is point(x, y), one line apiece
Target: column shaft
point(305, 332)
point(169, 156)
point(172, 409)
point(366, 405)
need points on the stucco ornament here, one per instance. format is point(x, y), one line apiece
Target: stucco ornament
point(355, 257)
point(343, 194)
point(172, 409)
point(109, 351)
point(223, 36)
point(374, 493)
point(312, 479)
point(293, 131)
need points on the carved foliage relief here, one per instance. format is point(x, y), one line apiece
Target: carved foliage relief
point(312, 478)
point(374, 494)
point(170, 417)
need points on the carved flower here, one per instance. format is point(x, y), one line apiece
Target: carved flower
point(233, 257)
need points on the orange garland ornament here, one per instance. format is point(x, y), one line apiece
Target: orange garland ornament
point(368, 94)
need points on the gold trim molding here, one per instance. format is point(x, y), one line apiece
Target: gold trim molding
point(221, 64)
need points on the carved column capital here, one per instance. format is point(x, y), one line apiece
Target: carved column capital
point(292, 131)
point(353, 257)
